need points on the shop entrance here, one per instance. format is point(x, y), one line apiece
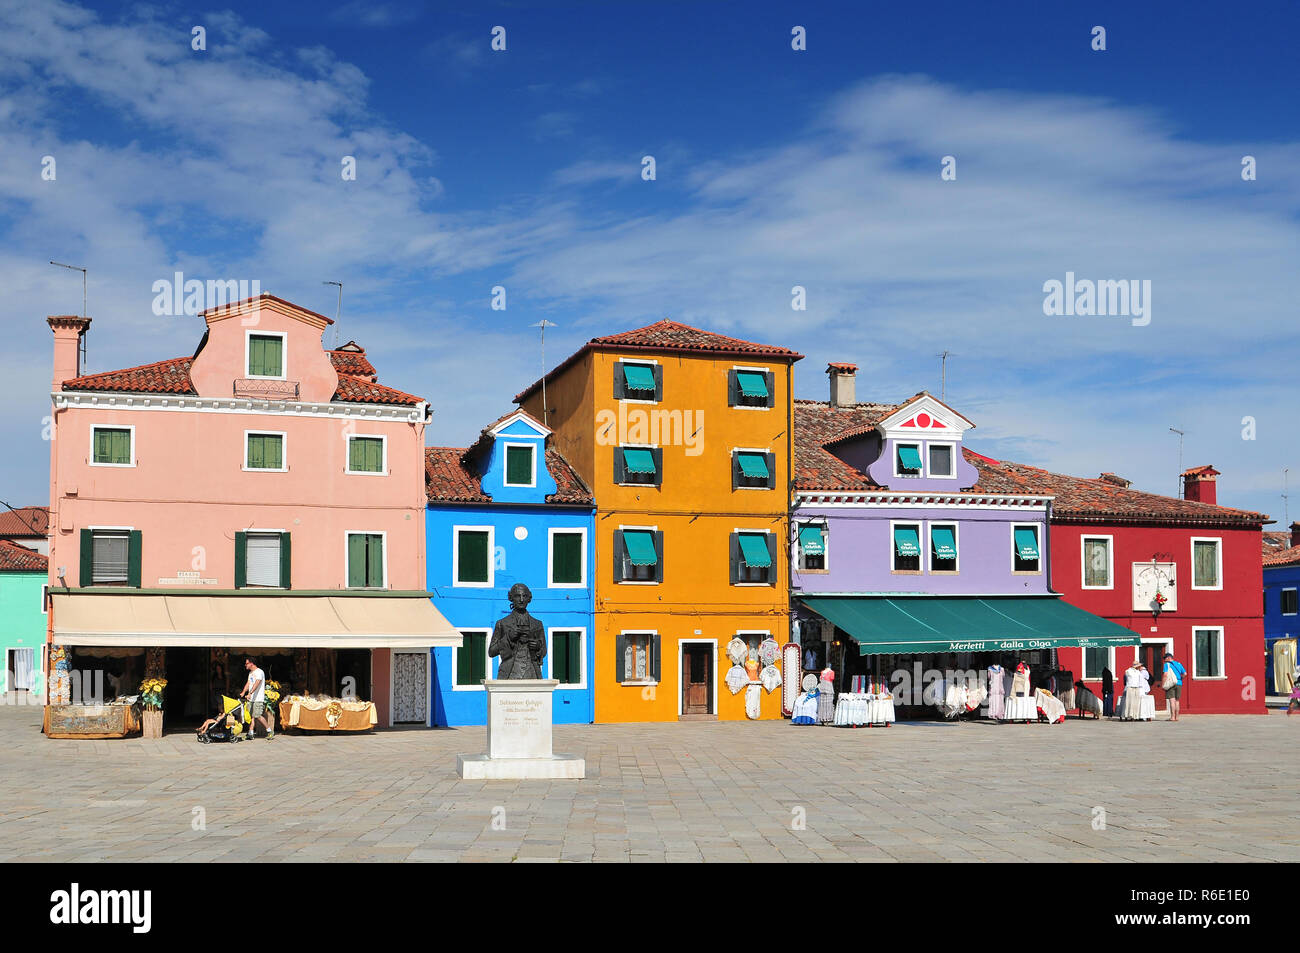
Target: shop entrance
point(697, 679)
point(188, 694)
point(1152, 655)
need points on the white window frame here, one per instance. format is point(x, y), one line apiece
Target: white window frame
point(772, 573)
point(284, 451)
point(639, 582)
point(284, 353)
point(1218, 562)
point(258, 531)
point(920, 537)
point(735, 461)
point(455, 556)
point(531, 446)
point(1288, 589)
point(920, 446)
point(109, 529)
point(824, 525)
point(1038, 538)
point(347, 454)
point(648, 680)
point(1083, 663)
point(1083, 560)
point(119, 466)
point(582, 654)
point(929, 547)
point(925, 460)
point(364, 532)
point(648, 362)
point(1223, 668)
point(550, 557)
point(487, 659)
point(760, 370)
point(428, 685)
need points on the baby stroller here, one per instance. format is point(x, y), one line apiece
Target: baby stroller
point(219, 731)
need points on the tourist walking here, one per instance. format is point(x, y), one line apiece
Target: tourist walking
point(255, 692)
point(1172, 683)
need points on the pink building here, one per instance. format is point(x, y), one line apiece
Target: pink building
point(264, 495)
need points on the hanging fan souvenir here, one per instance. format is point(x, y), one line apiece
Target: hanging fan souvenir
point(737, 650)
point(736, 679)
point(771, 678)
point(768, 651)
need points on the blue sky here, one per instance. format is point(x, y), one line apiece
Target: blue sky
point(775, 168)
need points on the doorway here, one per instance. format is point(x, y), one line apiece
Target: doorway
point(1152, 654)
point(697, 679)
point(410, 692)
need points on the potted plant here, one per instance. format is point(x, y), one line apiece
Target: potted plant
point(151, 697)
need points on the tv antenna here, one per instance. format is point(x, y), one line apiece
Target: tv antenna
point(338, 314)
point(943, 375)
point(83, 302)
point(1181, 434)
point(544, 324)
point(1286, 508)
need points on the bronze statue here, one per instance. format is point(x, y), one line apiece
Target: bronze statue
point(519, 638)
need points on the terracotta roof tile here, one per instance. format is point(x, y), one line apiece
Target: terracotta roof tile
point(1283, 557)
point(360, 390)
point(16, 558)
point(669, 336)
point(25, 521)
point(449, 477)
point(351, 359)
point(1273, 541)
point(816, 424)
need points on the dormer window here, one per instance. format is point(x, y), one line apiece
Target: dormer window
point(941, 460)
point(907, 460)
point(266, 355)
point(519, 465)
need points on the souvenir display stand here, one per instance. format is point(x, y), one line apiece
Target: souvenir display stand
point(869, 704)
point(1146, 708)
point(1020, 708)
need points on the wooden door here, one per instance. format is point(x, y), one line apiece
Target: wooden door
point(1153, 658)
point(696, 687)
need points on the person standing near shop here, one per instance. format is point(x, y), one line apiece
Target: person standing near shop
point(255, 691)
point(1107, 692)
point(1174, 691)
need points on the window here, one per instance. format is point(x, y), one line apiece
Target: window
point(638, 555)
point(749, 387)
point(566, 656)
point(1024, 548)
point(111, 446)
point(568, 558)
point(752, 468)
point(262, 559)
point(752, 558)
point(1289, 602)
point(943, 547)
point(638, 466)
point(472, 556)
point(366, 454)
point(266, 355)
point(941, 457)
point(110, 557)
point(45, 598)
point(264, 451)
point(471, 659)
point(907, 460)
point(1094, 660)
point(1207, 653)
point(366, 561)
point(1097, 562)
point(1206, 567)
point(637, 657)
point(638, 381)
point(906, 544)
point(519, 465)
point(812, 547)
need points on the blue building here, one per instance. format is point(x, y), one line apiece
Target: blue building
point(509, 509)
point(1281, 605)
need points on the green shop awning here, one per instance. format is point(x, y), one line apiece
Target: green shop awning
point(908, 625)
point(638, 461)
point(1026, 543)
point(639, 377)
point(753, 549)
point(909, 457)
point(752, 383)
point(753, 465)
point(906, 541)
point(640, 547)
point(944, 540)
point(811, 540)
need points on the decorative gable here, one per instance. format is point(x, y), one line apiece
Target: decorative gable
point(927, 415)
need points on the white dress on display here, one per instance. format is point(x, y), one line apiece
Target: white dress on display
point(997, 691)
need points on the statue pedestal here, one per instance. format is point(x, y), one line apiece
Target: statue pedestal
point(519, 735)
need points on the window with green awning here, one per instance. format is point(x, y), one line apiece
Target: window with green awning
point(640, 547)
point(637, 460)
point(943, 548)
point(639, 378)
point(1025, 549)
point(907, 548)
point(909, 458)
point(812, 541)
point(752, 383)
point(752, 465)
point(753, 549)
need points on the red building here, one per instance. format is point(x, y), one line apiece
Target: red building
point(1113, 549)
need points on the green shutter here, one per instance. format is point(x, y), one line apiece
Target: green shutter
point(121, 446)
point(86, 575)
point(620, 658)
point(241, 559)
point(265, 356)
point(566, 555)
point(356, 454)
point(575, 660)
point(286, 573)
point(135, 540)
point(654, 658)
point(519, 465)
point(375, 561)
point(366, 455)
point(472, 556)
point(471, 659)
point(356, 560)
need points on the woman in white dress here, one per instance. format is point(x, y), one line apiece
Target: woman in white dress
point(1135, 686)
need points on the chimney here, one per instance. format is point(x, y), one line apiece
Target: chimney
point(1199, 485)
point(68, 331)
point(843, 384)
point(1117, 480)
point(1295, 533)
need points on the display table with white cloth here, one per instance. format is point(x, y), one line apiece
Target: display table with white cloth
point(1020, 708)
point(864, 708)
point(1146, 708)
point(313, 714)
point(1051, 707)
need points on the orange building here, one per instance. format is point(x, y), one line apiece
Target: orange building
point(684, 437)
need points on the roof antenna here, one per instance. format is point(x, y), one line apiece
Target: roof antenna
point(1180, 459)
point(83, 301)
point(943, 376)
point(544, 324)
point(1286, 508)
point(338, 315)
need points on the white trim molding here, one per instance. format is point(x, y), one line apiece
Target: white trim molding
point(550, 557)
point(90, 459)
point(1223, 668)
point(1084, 539)
point(347, 454)
point(188, 403)
point(1218, 561)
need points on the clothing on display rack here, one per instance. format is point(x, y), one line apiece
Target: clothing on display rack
point(1020, 681)
point(826, 699)
point(997, 690)
point(1284, 666)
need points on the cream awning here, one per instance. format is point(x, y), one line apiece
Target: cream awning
point(339, 622)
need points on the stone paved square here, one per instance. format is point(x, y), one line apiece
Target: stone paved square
point(1210, 788)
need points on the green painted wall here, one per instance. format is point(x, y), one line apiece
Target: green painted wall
point(22, 623)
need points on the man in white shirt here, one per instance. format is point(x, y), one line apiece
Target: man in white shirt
point(255, 692)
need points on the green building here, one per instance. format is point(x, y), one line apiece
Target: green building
point(24, 574)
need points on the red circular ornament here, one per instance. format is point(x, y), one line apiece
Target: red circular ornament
point(923, 419)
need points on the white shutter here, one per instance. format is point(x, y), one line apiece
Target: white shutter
point(262, 567)
point(109, 557)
